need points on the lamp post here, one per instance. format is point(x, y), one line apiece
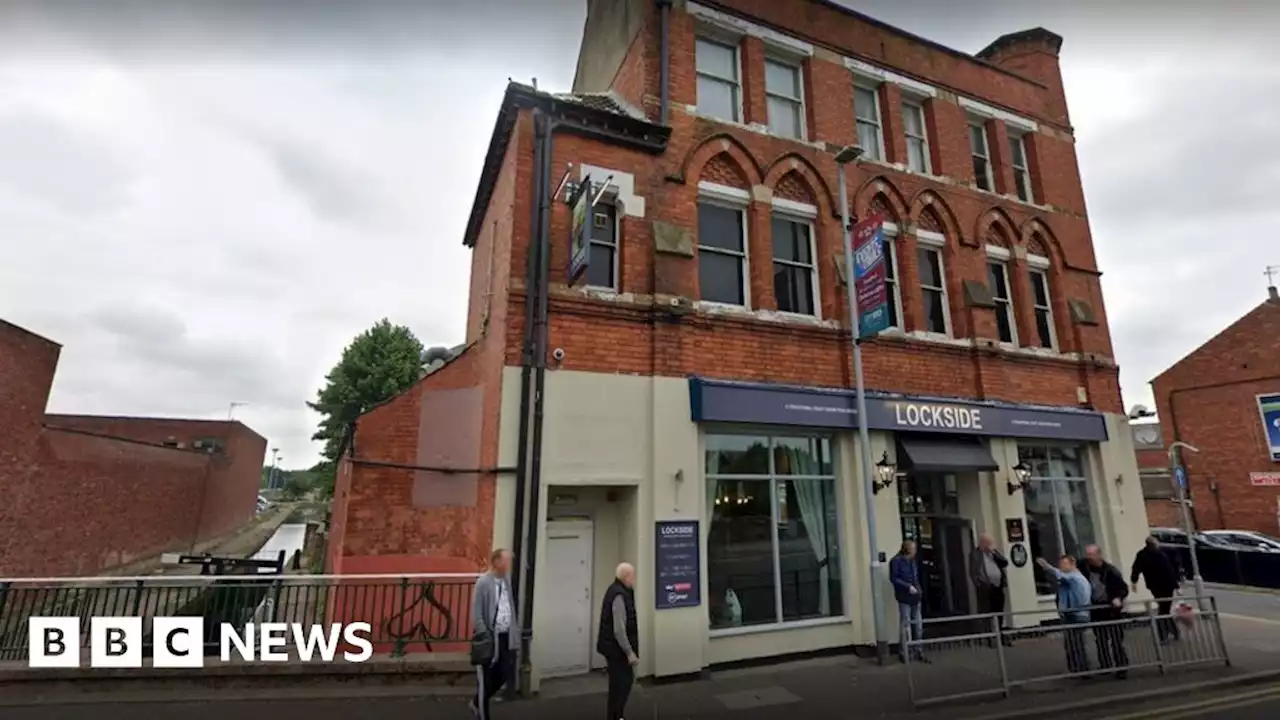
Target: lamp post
point(850, 154)
point(1180, 478)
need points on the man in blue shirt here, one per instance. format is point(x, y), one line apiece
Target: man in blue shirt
point(904, 573)
point(1073, 605)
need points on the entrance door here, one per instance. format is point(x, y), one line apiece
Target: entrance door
point(564, 647)
point(943, 543)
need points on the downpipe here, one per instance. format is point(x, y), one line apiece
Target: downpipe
point(664, 54)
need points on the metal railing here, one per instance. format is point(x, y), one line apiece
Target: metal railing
point(406, 613)
point(982, 656)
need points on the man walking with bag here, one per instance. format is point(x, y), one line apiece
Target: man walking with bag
point(495, 632)
point(1162, 580)
point(618, 638)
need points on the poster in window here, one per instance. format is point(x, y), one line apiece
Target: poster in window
point(678, 563)
point(870, 275)
point(1269, 408)
point(580, 231)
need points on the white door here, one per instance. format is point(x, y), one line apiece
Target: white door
point(566, 642)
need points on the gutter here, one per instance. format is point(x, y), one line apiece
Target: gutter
point(664, 53)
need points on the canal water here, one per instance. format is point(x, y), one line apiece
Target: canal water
point(288, 537)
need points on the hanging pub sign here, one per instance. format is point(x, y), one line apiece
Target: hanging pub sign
point(870, 276)
point(581, 202)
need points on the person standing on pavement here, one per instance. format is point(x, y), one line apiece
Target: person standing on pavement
point(618, 638)
point(1161, 575)
point(1107, 593)
point(495, 632)
point(987, 570)
point(1073, 605)
point(904, 573)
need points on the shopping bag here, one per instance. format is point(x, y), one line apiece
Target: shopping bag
point(1184, 613)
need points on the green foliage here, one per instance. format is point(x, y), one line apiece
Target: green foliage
point(295, 487)
point(379, 364)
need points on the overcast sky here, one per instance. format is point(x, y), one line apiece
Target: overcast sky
point(204, 205)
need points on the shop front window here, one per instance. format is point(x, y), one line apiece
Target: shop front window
point(773, 531)
point(1059, 514)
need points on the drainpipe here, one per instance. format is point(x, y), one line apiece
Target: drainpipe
point(664, 53)
point(540, 375)
point(526, 360)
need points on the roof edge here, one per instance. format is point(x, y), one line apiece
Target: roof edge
point(1035, 35)
point(1260, 307)
point(647, 135)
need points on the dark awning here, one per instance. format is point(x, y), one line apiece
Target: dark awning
point(945, 455)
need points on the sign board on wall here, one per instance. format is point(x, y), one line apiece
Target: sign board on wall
point(1014, 529)
point(580, 230)
point(1265, 479)
point(1269, 409)
point(677, 558)
point(727, 401)
point(869, 276)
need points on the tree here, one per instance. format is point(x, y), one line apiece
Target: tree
point(379, 364)
point(295, 488)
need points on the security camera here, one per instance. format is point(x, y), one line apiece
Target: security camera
point(557, 354)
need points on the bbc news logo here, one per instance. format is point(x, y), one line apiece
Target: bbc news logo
point(178, 642)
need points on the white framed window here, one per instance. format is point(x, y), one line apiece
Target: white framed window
point(602, 263)
point(784, 95)
point(719, 80)
point(722, 246)
point(998, 280)
point(773, 528)
point(933, 282)
point(866, 110)
point(981, 152)
point(913, 127)
point(893, 291)
point(1021, 170)
point(1059, 511)
point(1042, 302)
point(795, 274)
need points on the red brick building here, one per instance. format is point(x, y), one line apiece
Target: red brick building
point(1224, 399)
point(693, 381)
point(1157, 480)
point(84, 494)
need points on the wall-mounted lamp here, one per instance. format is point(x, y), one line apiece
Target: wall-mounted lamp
point(1021, 477)
point(887, 472)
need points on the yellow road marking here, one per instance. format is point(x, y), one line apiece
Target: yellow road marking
point(1191, 710)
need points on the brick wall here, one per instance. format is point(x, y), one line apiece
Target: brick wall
point(376, 527)
point(704, 149)
point(1209, 399)
point(84, 494)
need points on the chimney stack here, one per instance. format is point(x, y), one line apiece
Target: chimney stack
point(1271, 291)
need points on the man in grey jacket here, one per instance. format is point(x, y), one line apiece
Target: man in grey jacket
point(987, 570)
point(493, 613)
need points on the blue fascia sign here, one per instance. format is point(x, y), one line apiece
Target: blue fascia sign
point(735, 402)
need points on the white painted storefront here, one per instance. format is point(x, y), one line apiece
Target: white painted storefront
point(623, 452)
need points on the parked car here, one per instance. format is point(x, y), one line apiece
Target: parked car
point(1246, 539)
point(1175, 536)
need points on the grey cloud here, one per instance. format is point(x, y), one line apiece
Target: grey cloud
point(44, 159)
point(332, 190)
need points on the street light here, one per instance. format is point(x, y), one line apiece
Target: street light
point(851, 154)
point(887, 472)
point(1180, 478)
point(1021, 477)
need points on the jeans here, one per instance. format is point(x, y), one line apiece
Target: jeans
point(621, 677)
point(1109, 640)
point(912, 627)
point(492, 678)
point(1168, 627)
point(1073, 642)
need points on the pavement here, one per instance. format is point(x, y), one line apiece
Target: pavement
point(818, 687)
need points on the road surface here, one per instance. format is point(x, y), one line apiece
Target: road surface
point(1258, 605)
point(1250, 703)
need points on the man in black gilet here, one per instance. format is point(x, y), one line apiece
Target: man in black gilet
point(618, 639)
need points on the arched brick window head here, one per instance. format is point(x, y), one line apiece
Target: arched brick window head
point(723, 170)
